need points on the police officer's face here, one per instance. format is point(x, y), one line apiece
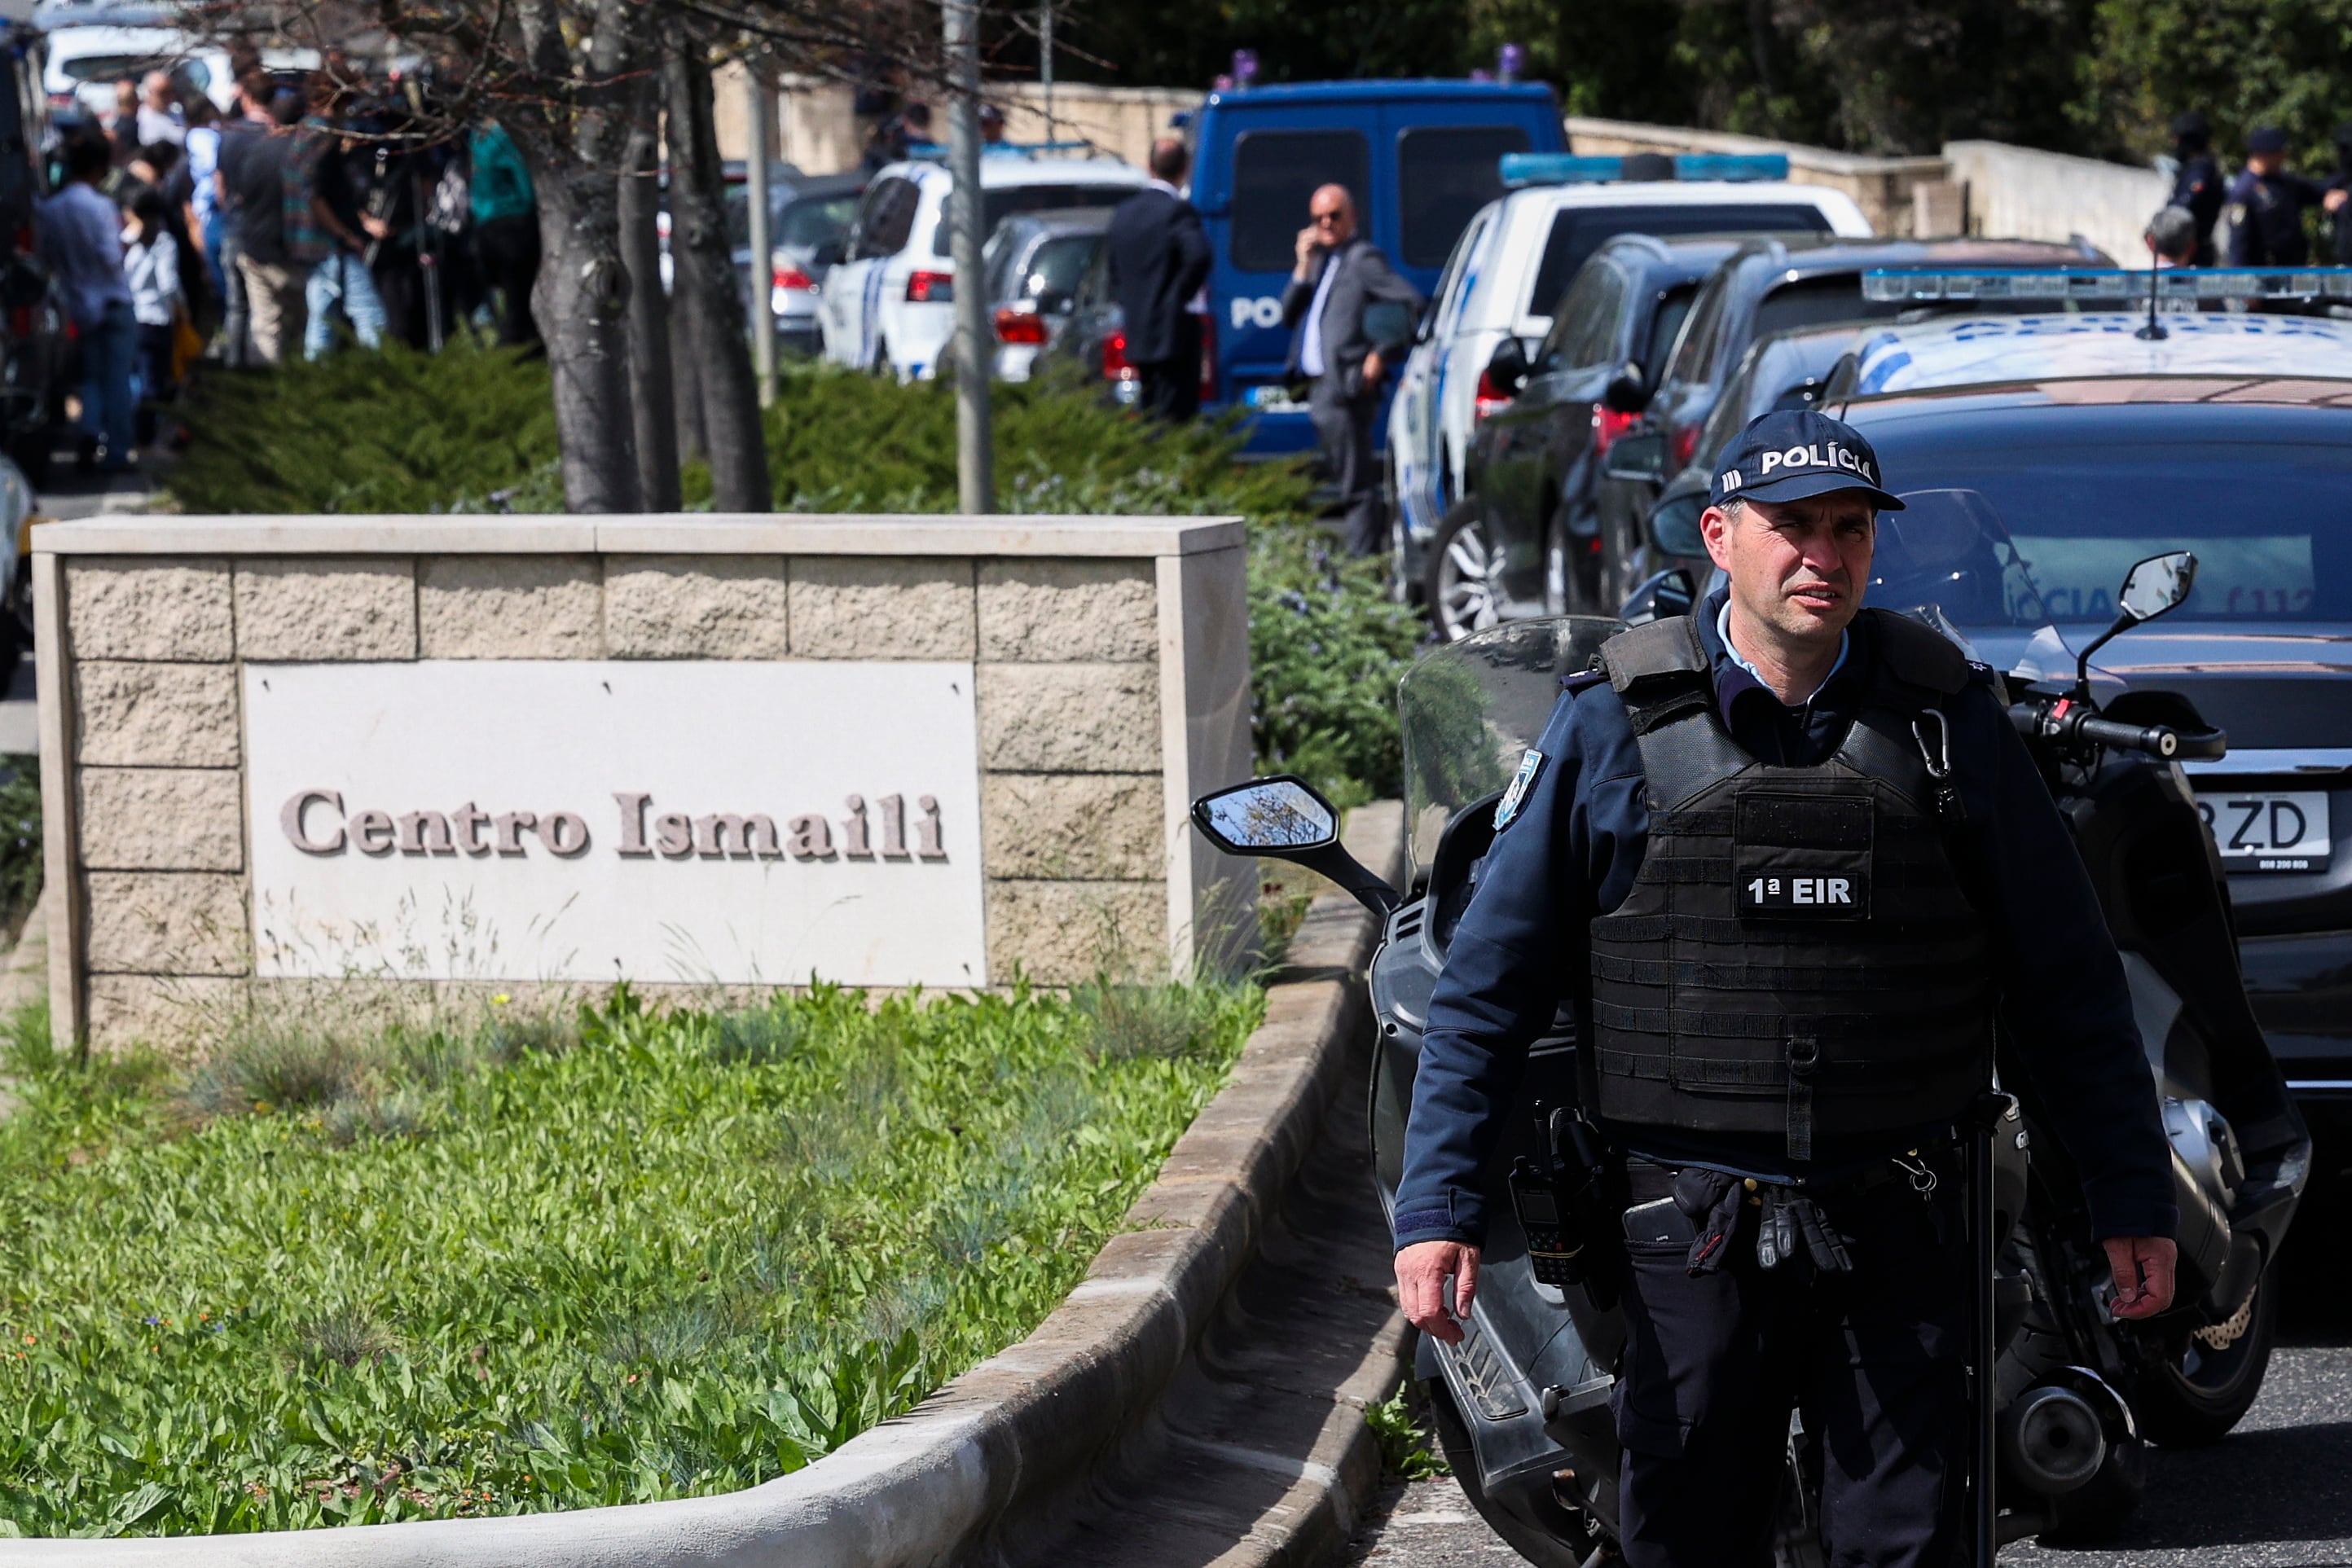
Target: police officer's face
point(1799, 566)
point(2265, 164)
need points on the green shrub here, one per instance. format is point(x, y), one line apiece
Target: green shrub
point(471, 431)
point(644, 1254)
point(20, 838)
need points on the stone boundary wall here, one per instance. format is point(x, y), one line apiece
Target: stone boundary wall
point(1111, 666)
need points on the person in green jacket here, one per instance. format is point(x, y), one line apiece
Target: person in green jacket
point(506, 228)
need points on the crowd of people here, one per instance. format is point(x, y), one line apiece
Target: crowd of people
point(2265, 203)
point(319, 206)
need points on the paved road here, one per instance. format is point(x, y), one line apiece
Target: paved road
point(2276, 1494)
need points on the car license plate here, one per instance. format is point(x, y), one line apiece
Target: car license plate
point(1271, 397)
point(2263, 830)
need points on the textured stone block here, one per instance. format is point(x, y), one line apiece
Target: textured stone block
point(1069, 718)
point(1080, 827)
point(1060, 933)
point(148, 607)
point(165, 923)
point(163, 819)
point(178, 1015)
point(861, 607)
point(695, 607)
point(132, 714)
point(509, 607)
point(1062, 612)
point(319, 610)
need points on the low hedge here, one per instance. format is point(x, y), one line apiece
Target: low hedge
point(470, 430)
point(510, 1265)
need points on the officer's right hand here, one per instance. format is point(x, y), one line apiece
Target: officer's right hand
point(1421, 1271)
point(1304, 253)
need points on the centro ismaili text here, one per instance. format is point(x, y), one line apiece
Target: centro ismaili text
point(316, 822)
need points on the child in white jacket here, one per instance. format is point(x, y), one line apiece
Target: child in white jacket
point(151, 264)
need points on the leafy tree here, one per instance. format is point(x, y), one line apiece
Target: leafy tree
point(2243, 62)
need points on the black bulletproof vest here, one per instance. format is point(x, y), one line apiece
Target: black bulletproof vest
point(1797, 954)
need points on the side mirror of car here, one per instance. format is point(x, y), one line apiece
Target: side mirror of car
point(1507, 371)
point(1670, 592)
point(1639, 454)
point(1388, 325)
point(1426, 322)
point(1628, 390)
point(830, 253)
point(1674, 526)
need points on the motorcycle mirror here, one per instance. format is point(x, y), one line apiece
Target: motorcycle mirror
point(1670, 592)
point(1284, 817)
point(1278, 816)
point(1673, 526)
point(2153, 587)
point(2158, 584)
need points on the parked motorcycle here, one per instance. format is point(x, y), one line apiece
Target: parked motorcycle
point(1521, 1405)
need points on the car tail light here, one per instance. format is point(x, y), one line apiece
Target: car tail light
point(1685, 444)
point(1489, 397)
point(20, 323)
point(1208, 357)
point(1114, 365)
point(1020, 326)
point(1608, 424)
point(787, 275)
point(930, 288)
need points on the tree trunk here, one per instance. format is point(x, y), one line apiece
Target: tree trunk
point(650, 400)
point(686, 389)
point(704, 286)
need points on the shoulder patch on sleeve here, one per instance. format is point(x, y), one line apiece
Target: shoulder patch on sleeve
point(1506, 810)
point(1581, 680)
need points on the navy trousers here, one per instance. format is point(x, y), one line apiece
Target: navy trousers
point(1874, 1361)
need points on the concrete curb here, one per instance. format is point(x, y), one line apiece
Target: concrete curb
point(1021, 1427)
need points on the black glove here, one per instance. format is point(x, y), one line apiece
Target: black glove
point(1711, 1199)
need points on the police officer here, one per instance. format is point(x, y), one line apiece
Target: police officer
point(2197, 186)
point(1784, 960)
point(2266, 206)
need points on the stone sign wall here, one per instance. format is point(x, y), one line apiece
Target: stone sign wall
point(1108, 678)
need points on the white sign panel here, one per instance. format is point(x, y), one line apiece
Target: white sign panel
point(754, 822)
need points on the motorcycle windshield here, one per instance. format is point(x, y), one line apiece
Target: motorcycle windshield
point(1471, 709)
point(1948, 559)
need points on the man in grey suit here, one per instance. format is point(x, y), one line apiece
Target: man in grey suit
point(1338, 277)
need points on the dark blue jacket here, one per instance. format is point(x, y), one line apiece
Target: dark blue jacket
point(1570, 854)
point(2266, 228)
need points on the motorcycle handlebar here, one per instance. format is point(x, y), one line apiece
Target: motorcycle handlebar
point(2077, 727)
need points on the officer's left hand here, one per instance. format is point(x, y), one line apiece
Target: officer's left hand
point(2143, 1267)
point(1422, 1271)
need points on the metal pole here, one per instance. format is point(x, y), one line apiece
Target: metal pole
point(1045, 60)
point(764, 290)
point(1983, 1355)
point(974, 347)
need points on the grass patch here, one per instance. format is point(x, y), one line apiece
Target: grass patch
point(1400, 1426)
point(471, 431)
point(441, 1271)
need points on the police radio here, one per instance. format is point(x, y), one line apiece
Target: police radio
point(1555, 1250)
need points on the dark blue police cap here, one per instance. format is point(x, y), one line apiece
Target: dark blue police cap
point(2266, 139)
point(1796, 453)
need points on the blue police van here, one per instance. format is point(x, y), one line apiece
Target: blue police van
point(1420, 158)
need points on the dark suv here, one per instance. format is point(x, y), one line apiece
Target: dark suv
point(1519, 541)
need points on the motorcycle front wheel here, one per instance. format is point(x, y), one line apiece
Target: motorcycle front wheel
point(2208, 1378)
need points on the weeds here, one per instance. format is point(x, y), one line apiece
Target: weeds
point(506, 1266)
point(1400, 1425)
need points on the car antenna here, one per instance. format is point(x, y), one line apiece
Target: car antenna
point(2154, 332)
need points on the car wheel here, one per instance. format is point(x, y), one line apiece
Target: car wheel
point(881, 365)
point(1463, 586)
point(2209, 1376)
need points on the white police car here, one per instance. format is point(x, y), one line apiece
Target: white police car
point(890, 303)
point(2099, 325)
point(1517, 258)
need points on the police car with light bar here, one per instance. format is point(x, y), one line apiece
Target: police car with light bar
point(1509, 269)
point(890, 302)
point(2087, 438)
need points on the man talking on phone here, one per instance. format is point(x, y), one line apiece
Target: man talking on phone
point(1785, 946)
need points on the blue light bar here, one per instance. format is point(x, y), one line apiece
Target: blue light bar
point(2110, 286)
point(1524, 168)
point(1731, 166)
point(937, 151)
